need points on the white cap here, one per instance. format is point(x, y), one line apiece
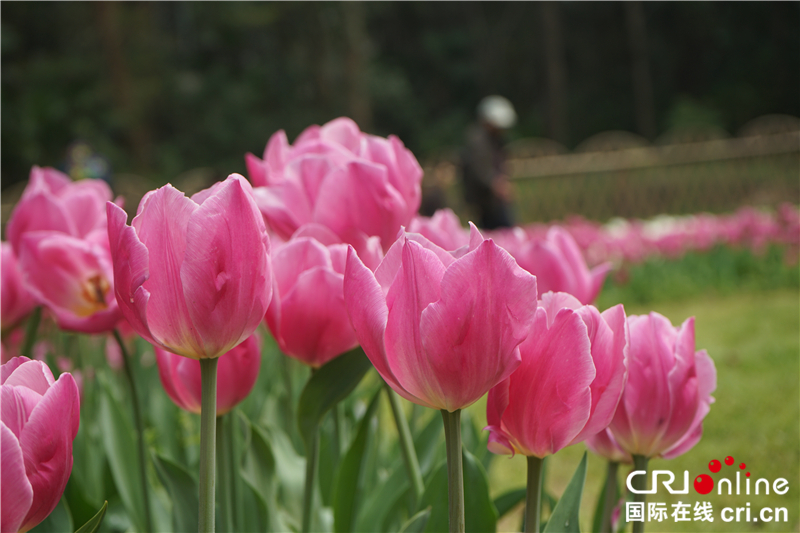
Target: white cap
point(497, 111)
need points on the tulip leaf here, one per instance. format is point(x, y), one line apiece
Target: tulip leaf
point(349, 477)
point(565, 517)
point(507, 501)
point(479, 512)
point(119, 439)
point(381, 501)
point(94, 522)
point(416, 524)
point(328, 386)
point(182, 489)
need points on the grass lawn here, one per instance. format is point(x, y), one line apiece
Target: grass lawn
point(754, 339)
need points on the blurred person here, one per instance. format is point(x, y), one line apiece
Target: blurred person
point(483, 164)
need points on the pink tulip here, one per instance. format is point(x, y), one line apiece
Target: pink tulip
point(569, 383)
point(193, 275)
point(53, 202)
point(668, 391)
point(559, 266)
point(357, 185)
point(307, 315)
point(17, 301)
point(444, 229)
point(73, 277)
point(441, 331)
point(237, 371)
point(40, 419)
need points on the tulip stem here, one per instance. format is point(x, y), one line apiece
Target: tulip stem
point(225, 471)
point(208, 424)
point(406, 445)
point(312, 459)
point(610, 498)
point(30, 332)
point(640, 484)
point(533, 498)
point(455, 470)
point(137, 418)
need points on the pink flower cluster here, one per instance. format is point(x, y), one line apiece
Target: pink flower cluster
point(634, 241)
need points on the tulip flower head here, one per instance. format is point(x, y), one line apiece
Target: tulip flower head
point(193, 275)
point(441, 331)
point(605, 445)
point(40, 417)
point(237, 372)
point(357, 185)
point(53, 202)
point(668, 392)
point(307, 314)
point(559, 266)
point(569, 383)
point(17, 301)
point(73, 277)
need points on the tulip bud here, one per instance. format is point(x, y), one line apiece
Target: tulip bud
point(237, 371)
point(193, 275)
point(40, 417)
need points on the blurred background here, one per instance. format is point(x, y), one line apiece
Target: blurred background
point(625, 109)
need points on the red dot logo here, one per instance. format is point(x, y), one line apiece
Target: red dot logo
point(742, 466)
point(703, 484)
point(714, 466)
point(729, 460)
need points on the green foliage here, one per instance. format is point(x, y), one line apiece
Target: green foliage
point(94, 523)
point(723, 270)
point(566, 515)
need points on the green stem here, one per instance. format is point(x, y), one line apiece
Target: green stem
point(610, 498)
point(312, 459)
point(225, 471)
point(533, 498)
point(455, 470)
point(639, 483)
point(208, 423)
point(30, 332)
point(137, 418)
point(406, 445)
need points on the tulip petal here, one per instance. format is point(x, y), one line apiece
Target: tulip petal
point(256, 170)
point(608, 335)
point(8, 368)
point(343, 131)
point(358, 196)
point(471, 334)
point(550, 389)
point(16, 493)
point(275, 154)
point(416, 286)
point(226, 275)
point(46, 443)
point(315, 327)
point(33, 375)
point(294, 258)
point(40, 212)
point(131, 260)
point(366, 306)
point(237, 372)
point(161, 226)
point(18, 404)
point(168, 371)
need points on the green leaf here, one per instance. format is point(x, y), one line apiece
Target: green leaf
point(416, 524)
point(58, 521)
point(94, 523)
point(119, 439)
point(479, 513)
point(381, 501)
point(182, 489)
point(258, 471)
point(328, 386)
point(507, 501)
point(429, 444)
point(349, 474)
point(565, 517)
